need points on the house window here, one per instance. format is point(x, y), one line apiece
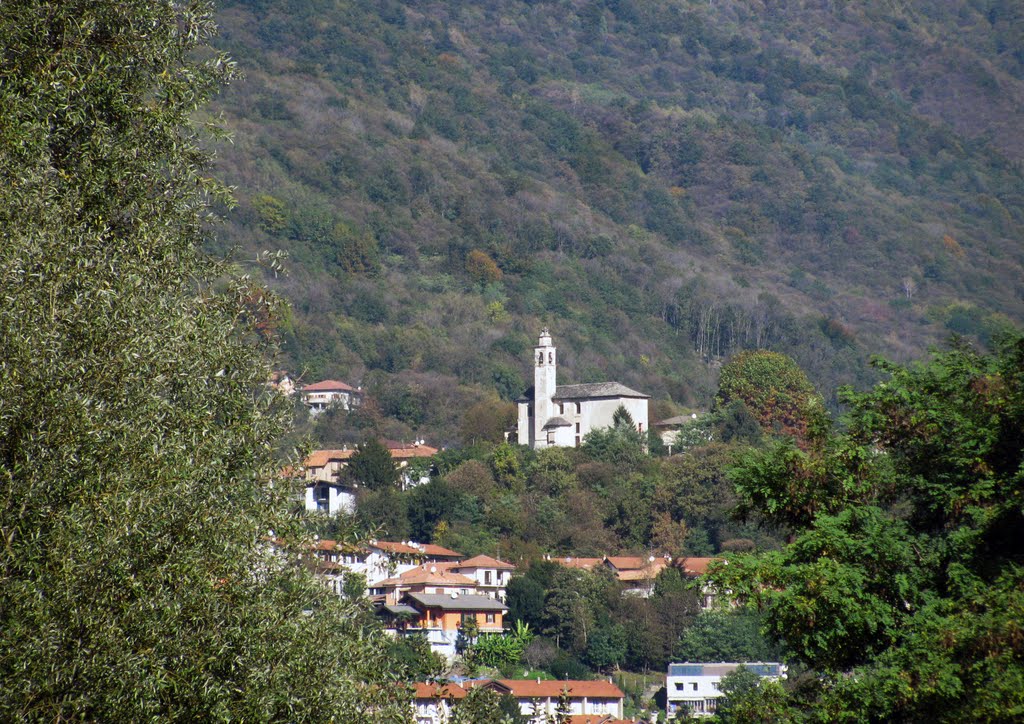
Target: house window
point(490, 618)
point(468, 617)
point(561, 408)
point(640, 427)
point(487, 578)
point(694, 685)
point(322, 497)
point(577, 428)
point(577, 441)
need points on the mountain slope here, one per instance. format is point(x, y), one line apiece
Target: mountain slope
point(663, 183)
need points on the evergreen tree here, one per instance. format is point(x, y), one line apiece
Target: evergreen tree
point(139, 574)
point(372, 466)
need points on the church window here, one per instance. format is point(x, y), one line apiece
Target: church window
point(551, 358)
point(540, 359)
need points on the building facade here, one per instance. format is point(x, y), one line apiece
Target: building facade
point(553, 415)
point(321, 395)
point(696, 687)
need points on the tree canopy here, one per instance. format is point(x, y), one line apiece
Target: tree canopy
point(903, 584)
point(775, 391)
point(146, 570)
point(371, 465)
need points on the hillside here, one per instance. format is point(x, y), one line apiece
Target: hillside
point(662, 183)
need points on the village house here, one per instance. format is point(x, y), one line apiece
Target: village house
point(638, 574)
point(693, 568)
point(539, 699)
point(327, 490)
point(583, 564)
point(695, 687)
point(490, 575)
point(561, 415)
point(433, 703)
point(321, 395)
point(280, 381)
point(441, 617)
point(426, 578)
point(668, 430)
point(376, 560)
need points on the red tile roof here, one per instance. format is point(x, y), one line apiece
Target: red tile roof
point(694, 566)
point(412, 451)
point(424, 574)
point(486, 562)
point(389, 546)
point(328, 386)
point(435, 550)
point(585, 564)
point(533, 689)
point(320, 458)
point(627, 563)
point(438, 691)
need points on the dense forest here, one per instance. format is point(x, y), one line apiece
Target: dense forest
point(662, 183)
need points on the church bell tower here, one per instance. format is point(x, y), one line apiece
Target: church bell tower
point(545, 361)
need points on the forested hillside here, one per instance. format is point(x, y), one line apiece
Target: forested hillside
point(663, 183)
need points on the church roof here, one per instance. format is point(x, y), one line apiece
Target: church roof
point(588, 390)
point(557, 422)
point(595, 389)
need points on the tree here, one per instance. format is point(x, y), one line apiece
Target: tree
point(621, 444)
point(482, 268)
point(902, 585)
point(775, 391)
point(487, 421)
point(372, 466)
point(386, 512)
point(750, 699)
point(724, 636)
point(607, 648)
point(149, 565)
point(482, 704)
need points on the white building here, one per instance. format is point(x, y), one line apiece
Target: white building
point(490, 574)
point(378, 559)
point(328, 492)
point(561, 415)
point(696, 686)
point(539, 699)
point(321, 395)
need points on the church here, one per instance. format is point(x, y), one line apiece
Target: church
point(553, 415)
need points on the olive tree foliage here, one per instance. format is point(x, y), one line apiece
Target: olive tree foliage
point(138, 501)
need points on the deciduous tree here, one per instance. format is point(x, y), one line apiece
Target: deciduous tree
point(775, 390)
point(902, 586)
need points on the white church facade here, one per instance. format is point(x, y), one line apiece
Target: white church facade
point(553, 415)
